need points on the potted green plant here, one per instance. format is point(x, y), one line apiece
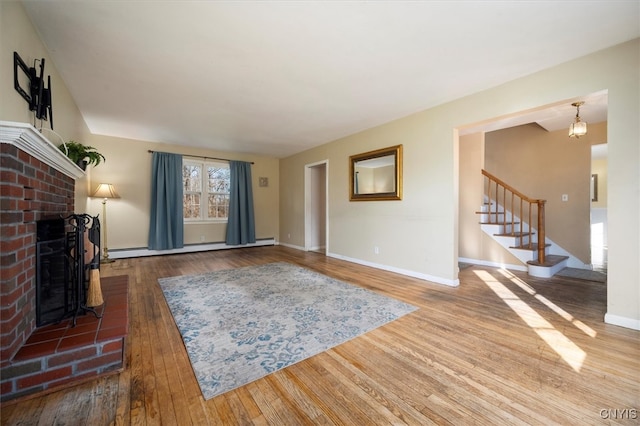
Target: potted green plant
point(81, 154)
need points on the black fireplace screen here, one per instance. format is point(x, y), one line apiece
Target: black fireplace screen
point(62, 261)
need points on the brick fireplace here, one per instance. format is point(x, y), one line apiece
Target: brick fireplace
point(38, 182)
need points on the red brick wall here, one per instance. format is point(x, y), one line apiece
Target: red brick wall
point(29, 376)
point(30, 190)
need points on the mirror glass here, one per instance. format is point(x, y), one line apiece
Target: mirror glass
point(376, 175)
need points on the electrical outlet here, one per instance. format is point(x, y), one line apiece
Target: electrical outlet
point(376, 250)
point(201, 238)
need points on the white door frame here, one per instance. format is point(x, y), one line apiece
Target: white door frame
point(307, 203)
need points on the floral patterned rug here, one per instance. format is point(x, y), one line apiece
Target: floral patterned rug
point(242, 324)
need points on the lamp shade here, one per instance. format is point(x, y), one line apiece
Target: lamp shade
point(577, 129)
point(105, 190)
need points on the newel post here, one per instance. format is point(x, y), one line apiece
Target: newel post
point(541, 232)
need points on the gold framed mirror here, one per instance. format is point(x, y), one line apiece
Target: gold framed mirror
point(376, 175)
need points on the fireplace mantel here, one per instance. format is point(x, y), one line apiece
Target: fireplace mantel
point(27, 138)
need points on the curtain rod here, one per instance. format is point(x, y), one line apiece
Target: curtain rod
point(203, 157)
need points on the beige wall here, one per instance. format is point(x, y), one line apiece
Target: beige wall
point(403, 231)
point(470, 161)
point(18, 35)
point(420, 233)
point(474, 244)
point(128, 168)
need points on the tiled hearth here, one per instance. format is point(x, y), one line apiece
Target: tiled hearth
point(59, 354)
point(57, 338)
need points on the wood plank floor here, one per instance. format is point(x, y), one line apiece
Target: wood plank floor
point(502, 348)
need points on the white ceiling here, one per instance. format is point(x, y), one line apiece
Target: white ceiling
point(278, 77)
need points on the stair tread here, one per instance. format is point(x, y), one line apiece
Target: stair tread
point(489, 212)
point(496, 223)
point(514, 234)
point(534, 246)
point(549, 260)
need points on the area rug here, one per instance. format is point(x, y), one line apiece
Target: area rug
point(242, 324)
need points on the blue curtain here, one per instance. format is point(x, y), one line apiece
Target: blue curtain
point(166, 229)
point(241, 228)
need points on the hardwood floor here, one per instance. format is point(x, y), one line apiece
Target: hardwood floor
point(502, 348)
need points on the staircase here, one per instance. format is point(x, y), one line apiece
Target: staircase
point(507, 216)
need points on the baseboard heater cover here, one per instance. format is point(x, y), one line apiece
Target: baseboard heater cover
point(188, 248)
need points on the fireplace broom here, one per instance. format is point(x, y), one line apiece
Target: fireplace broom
point(94, 294)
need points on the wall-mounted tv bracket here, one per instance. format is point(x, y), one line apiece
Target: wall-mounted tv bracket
point(37, 95)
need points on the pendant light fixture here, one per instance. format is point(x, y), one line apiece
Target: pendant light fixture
point(578, 127)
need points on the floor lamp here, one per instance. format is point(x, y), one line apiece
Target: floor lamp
point(105, 190)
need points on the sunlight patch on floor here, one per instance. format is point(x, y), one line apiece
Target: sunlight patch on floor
point(548, 303)
point(562, 345)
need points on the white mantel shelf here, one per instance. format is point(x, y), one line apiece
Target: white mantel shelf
point(27, 138)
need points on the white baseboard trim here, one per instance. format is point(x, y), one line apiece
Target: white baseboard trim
point(426, 277)
point(522, 268)
point(631, 323)
point(293, 246)
point(191, 248)
point(419, 275)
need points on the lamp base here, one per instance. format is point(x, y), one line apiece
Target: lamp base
point(105, 250)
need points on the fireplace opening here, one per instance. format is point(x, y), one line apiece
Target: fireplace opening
point(52, 290)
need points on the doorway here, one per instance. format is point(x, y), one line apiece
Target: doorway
point(316, 207)
point(599, 207)
point(550, 118)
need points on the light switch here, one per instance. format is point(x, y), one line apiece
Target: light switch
point(565, 197)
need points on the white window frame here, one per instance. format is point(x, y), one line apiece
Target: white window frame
point(204, 193)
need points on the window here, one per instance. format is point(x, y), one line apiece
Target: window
point(206, 191)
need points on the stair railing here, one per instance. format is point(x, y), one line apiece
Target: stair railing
point(521, 205)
